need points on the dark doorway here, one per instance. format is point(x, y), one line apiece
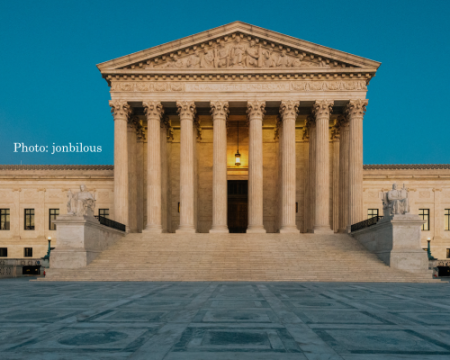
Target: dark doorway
point(237, 206)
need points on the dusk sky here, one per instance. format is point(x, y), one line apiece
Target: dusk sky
point(52, 92)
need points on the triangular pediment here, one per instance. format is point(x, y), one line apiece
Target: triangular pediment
point(237, 47)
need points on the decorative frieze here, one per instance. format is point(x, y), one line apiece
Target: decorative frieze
point(149, 86)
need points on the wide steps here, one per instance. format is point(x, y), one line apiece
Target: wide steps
point(237, 257)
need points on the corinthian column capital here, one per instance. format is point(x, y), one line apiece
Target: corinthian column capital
point(289, 108)
point(153, 109)
point(356, 108)
point(186, 109)
point(219, 109)
point(120, 109)
point(323, 108)
point(256, 109)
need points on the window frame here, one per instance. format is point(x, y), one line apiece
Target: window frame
point(6, 252)
point(373, 215)
point(26, 216)
point(30, 250)
point(425, 215)
point(51, 216)
point(5, 213)
point(102, 211)
point(448, 253)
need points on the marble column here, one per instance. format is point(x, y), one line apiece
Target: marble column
point(355, 113)
point(344, 190)
point(219, 112)
point(335, 138)
point(321, 111)
point(140, 179)
point(310, 196)
point(132, 179)
point(153, 110)
point(186, 111)
point(121, 112)
point(288, 112)
point(255, 112)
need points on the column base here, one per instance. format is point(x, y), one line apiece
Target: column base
point(289, 230)
point(186, 230)
point(219, 230)
point(154, 229)
point(326, 230)
point(256, 230)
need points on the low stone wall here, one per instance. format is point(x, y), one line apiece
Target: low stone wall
point(80, 240)
point(12, 268)
point(396, 241)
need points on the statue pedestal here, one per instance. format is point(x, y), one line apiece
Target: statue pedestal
point(396, 240)
point(80, 239)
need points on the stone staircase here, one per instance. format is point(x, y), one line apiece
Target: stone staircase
point(237, 257)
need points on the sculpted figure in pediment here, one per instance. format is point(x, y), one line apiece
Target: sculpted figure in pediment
point(253, 55)
point(207, 58)
point(283, 59)
point(238, 53)
point(267, 58)
point(193, 61)
point(223, 55)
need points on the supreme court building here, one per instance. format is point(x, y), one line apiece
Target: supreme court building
point(233, 130)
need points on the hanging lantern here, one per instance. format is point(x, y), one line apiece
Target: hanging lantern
point(237, 156)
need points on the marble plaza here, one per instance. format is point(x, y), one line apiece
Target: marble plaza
point(224, 321)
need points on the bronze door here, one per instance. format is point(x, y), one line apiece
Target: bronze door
point(237, 206)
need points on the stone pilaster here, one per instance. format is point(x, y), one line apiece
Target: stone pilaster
point(344, 190)
point(219, 112)
point(288, 112)
point(255, 112)
point(132, 179)
point(121, 112)
point(355, 113)
point(321, 111)
point(153, 111)
point(186, 111)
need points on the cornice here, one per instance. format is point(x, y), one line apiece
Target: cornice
point(407, 167)
point(56, 167)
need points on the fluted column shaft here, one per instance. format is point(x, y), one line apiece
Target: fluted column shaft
point(186, 111)
point(132, 179)
point(255, 112)
point(335, 183)
point(288, 112)
point(153, 111)
point(121, 112)
point(322, 110)
point(140, 180)
point(219, 111)
point(355, 112)
point(344, 190)
point(310, 196)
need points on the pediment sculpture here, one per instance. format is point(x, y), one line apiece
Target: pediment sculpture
point(237, 52)
point(80, 203)
point(396, 201)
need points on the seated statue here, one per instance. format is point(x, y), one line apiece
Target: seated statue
point(396, 201)
point(81, 203)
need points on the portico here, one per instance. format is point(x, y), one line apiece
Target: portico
point(301, 109)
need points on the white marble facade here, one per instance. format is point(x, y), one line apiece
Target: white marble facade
point(176, 107)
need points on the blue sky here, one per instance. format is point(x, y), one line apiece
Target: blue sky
point(51, 91)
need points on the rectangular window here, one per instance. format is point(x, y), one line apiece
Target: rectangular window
point(4, 219)
point(425, 215)
point(3, 252)
point(28, 252)
point(104, 213)
point(448, 253)
point(447, 219)
point(372, 213)
point(29, 219)
point(52, 214)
